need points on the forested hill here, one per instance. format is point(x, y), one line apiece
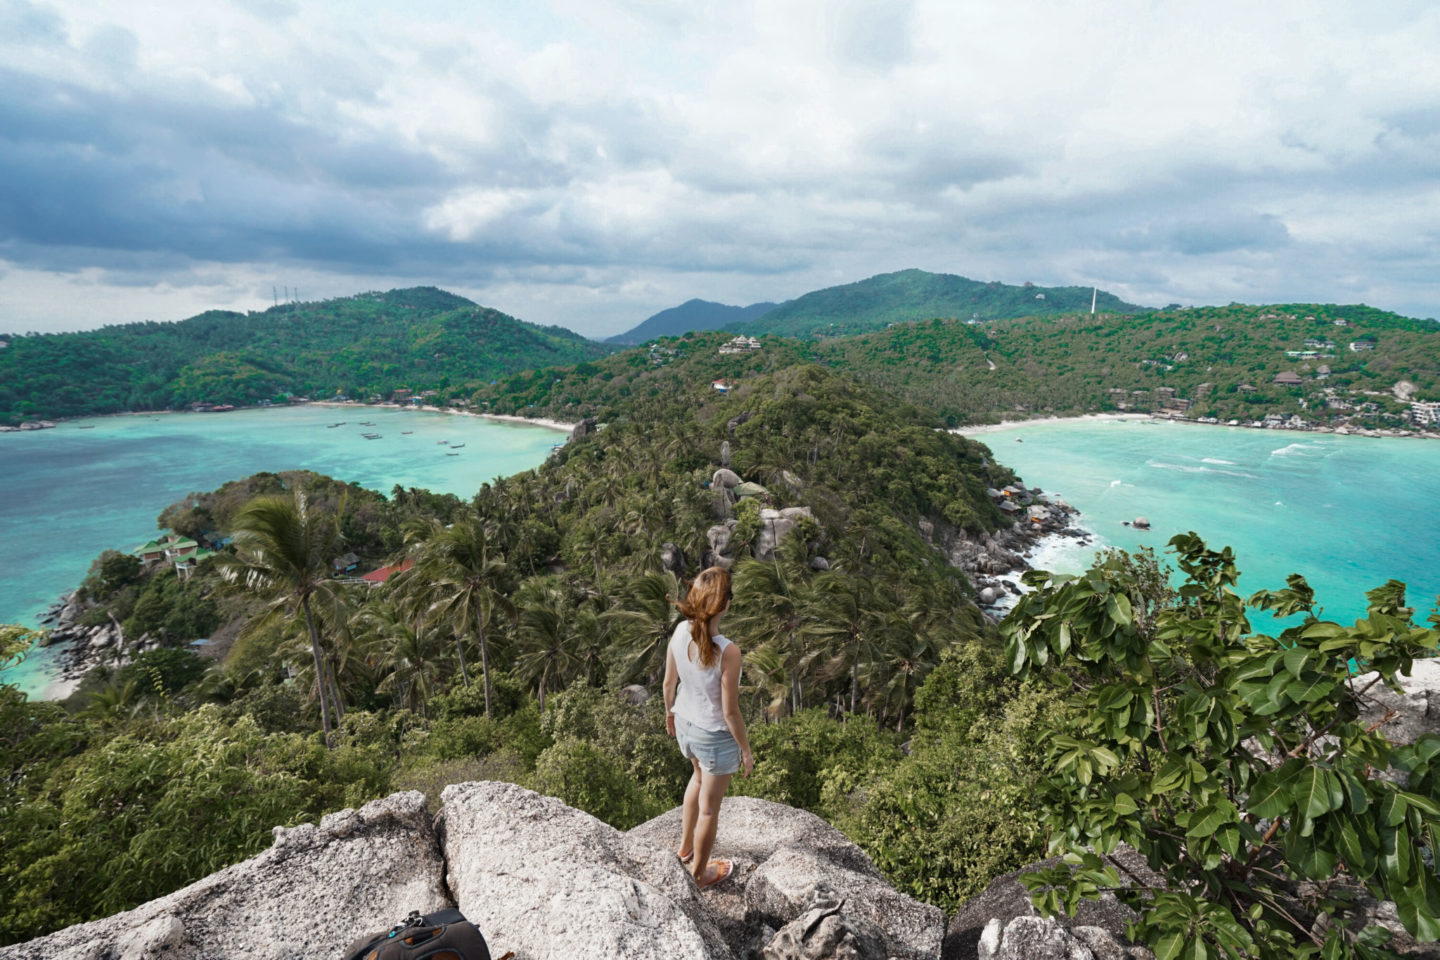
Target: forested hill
point(1341, 362)
point(690, 315)
point(917, 295)
point(371, 343)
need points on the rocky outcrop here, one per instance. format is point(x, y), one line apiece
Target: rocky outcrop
point(775, 526)
point(553, 883)
point(583, 428)
point(983, 923)
point(1416, 711)
point(309, 895)
point(784, 860)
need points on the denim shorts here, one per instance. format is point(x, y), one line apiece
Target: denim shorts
point(715, 750)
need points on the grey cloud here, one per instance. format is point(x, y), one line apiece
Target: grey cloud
point(29, 24)
point(873, 33)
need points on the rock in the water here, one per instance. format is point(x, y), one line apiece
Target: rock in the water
point(784, 859)
point(1142, 523)
point(309, 895)
point(553, 883)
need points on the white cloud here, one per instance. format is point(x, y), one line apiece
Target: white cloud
point(589, 163)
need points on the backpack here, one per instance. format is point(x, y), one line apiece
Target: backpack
point(442, 935)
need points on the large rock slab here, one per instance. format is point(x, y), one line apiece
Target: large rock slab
point(786, 858)
point(309, 895)
point(554, 883)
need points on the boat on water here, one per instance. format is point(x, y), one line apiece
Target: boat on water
point(367, 423)
point(90, 427)
point(441, 443)
point(456, 446)
point(452, 454)
point(372, 436)
point(334, 425)
point(406, 432)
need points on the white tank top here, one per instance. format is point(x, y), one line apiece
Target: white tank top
point(698, 699)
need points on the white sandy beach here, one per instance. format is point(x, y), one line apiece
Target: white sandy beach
point(504, 417)
point(1012, 424)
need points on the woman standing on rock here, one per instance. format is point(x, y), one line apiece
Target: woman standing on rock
point(704, 717)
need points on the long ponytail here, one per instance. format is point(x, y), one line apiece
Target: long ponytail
point(707, 598)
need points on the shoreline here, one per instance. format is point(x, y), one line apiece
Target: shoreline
point(545, 422)
point(1341, 431)
point(452, 411)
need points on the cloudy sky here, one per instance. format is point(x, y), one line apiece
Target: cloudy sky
point(588, 163)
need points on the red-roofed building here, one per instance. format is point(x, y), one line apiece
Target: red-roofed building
point(384, 573)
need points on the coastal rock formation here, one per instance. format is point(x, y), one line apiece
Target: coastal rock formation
point(310, 894)
point(784, 859)
point(582, 428)
point(548, 881)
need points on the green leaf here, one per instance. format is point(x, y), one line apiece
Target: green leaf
point(1117, 608)
point(1125, 804)
point(1271, 797)
point(1209, 818)
point(1168, 946)
point(1312, 792)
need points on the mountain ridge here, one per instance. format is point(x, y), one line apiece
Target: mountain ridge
point(692, 315)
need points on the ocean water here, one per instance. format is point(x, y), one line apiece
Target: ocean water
point(1348, 513)
point(67, 494)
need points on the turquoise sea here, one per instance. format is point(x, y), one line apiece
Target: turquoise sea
point(1348, 513)
point(85, 486)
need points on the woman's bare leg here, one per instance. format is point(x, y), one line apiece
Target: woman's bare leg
point(712, 791)
point(689, 812)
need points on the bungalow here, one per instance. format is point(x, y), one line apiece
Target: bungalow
point(376, 577)
point(1288, 378)
point(723, 385)
point(152, 551)
point(345, 564)
point(1358, 345)
point(185, 566)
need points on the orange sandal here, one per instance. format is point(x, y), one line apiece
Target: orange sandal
point(722, 870)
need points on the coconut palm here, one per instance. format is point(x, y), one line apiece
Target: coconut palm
point(410, 655)
point(642, 626)
point(547, 659)
point(848, 615)
point(282, 555)
point(459, 577)
point(773, 600)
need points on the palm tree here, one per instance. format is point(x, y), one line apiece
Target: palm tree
point(643, 624)
point(547, 659)
point(845, 626)
point(410, 656)
point(282, 554)
point(773, 601)
point(459, 575)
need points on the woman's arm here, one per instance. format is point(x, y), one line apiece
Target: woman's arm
point(672, 680)
point(730, 704)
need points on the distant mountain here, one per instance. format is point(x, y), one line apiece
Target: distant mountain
point(917, 295)
point(372, 343)
point(690, 315)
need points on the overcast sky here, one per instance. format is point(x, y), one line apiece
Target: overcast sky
point(589, 163)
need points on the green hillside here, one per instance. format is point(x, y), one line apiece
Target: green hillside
point(1078, 364)
point(690, 315)
point(917, 295)
point(421, 338)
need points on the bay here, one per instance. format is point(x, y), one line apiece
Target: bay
point(85, 486)
point(1346, 512)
